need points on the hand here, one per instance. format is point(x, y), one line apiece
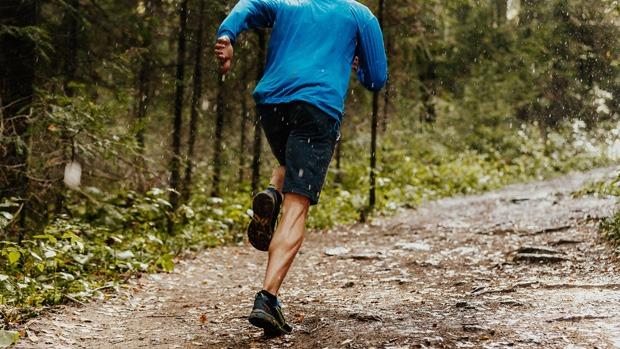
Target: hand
point(356, 64)
point(224, 52)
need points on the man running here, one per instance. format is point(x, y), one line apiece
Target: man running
point(300, 102)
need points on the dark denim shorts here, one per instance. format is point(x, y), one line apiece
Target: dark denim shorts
point(302, 137)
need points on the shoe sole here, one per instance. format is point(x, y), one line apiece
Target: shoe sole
point(259, 230)
point(267, 322)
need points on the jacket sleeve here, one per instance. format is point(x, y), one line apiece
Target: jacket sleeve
point(248, 14)
point(373, 71)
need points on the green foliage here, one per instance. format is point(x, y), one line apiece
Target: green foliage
point(37, 36)
point(601, 188)
point(105, 239)
point(9, 208)
point(610, 227)
point(417, 166)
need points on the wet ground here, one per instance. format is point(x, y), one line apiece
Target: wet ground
point(521, 267)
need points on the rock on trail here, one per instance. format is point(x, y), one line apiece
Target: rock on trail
point(521, 267)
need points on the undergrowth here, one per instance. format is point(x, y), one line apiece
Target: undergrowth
point(101, 239)
point(610, 226)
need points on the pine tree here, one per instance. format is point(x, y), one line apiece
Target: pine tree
point(260, 57)
point(195, 104)
point(175, 161)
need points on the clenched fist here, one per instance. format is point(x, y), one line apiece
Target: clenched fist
point(224, 52)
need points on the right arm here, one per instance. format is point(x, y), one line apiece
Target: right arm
point(245, 15)
point(248, 14)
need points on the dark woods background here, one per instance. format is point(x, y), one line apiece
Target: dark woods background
point(130, 90)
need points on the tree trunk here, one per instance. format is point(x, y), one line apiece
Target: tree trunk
point(257, 147)
point(262, 48)
point(528, 11)
point(219, 130)
point(196, 97)
point(71, 25)
point(373, 151)
point(144, 88)
point(17, 62)
point(243, 135)
point(175, 161)
point(142, 100)
point(501, 11)
point(143, 94)
point(427, 76)
point(373, 137)
point(69, 59)
point(429, 114)
point(388, 83)
point(338, 178)
point(243, 89)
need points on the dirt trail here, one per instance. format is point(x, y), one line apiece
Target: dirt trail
point(445, 275)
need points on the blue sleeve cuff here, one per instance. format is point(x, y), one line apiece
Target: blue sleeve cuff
point(228, 33)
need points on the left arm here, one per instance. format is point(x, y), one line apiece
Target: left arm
point(372, 72)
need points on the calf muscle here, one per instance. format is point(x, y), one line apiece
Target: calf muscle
point(286, 241)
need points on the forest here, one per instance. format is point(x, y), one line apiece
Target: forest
point(124, 149)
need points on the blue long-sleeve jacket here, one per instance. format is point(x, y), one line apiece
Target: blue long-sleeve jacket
point(312, 48)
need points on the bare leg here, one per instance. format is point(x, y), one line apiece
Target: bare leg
point(277, 177)
point(286, 240)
